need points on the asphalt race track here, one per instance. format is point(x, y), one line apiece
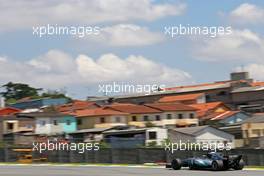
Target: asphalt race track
point(112, 171)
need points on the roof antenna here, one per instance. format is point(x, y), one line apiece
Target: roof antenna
point(242, 68)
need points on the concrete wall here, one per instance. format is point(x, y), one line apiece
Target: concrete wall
point(131, 156)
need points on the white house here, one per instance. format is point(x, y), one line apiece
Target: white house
point(201, 134)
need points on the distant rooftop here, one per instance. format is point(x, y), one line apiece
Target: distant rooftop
point(191, 130)
point(256, 118)
point(180, 97)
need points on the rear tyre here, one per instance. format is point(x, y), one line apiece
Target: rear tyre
point(217, 165)
point(176, 164)
point(239, 165)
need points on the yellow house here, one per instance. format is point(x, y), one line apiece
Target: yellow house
point(254, 126)
point(175, 115)
point(139, 115)
point(100, 118)
point(158, 114)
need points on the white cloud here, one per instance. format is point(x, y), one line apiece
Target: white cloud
point(3, 59)
point(25, 14)
point(247, 13)
point(256, 70)
point(126, 35)
point(54, 61)
point(57, 69)
point(240, 46)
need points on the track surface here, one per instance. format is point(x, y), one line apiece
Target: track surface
point(112, 171)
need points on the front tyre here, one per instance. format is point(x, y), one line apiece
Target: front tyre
point(176, 164)
point(217, 165)
point(240, 165)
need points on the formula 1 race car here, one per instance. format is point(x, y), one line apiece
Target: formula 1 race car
point(212, 161)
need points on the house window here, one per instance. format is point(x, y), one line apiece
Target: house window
point(222, 93)
point(102, 120)
point(68, 122)
point(29, 126)
point(157, 117)
point(10, 126)
point(146, 118)
point(191, 116)
point(134, 118)
point(180, 116)
point(118, 119)
point(55, 122)
point(43, 123)
point(256, 132)
point(79, 122)
point(152, 135)
point(168, 116)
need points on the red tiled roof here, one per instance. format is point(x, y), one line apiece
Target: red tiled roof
point(9, 111)
point(171, 107)
point(180, 97)
point(255, 84)
point(205, 108)
point(220, 115)
point(199, 85)
point(76, 105)
point(132, 108)
point(97, 112)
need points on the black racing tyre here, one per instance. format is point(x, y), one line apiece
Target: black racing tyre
point(176, 164)
point(239, 165)
point(217, 165)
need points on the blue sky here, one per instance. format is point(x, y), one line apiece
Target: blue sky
point(64, 62)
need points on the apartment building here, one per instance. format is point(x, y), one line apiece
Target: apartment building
point(158, 114)
point(138, 115)
point(99, 118)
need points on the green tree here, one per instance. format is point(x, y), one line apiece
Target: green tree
point(16, 91)
point(54, 94)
